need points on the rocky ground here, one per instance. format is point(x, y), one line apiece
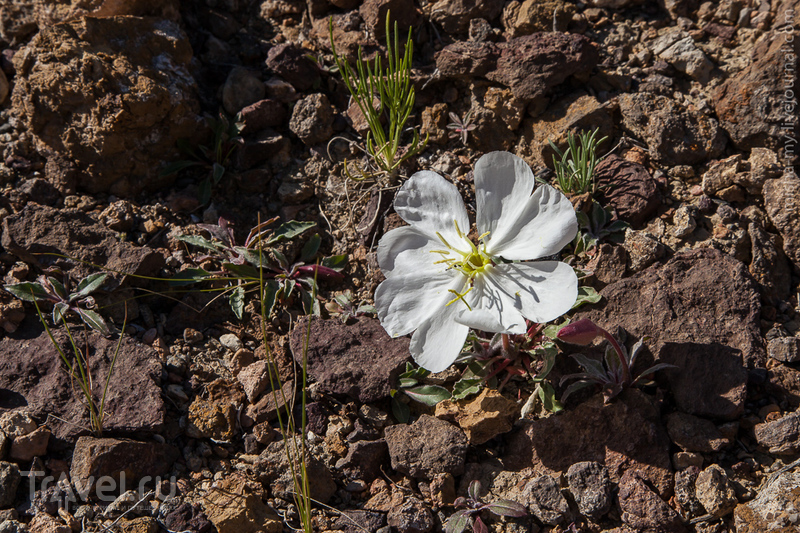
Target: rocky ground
point(697, 99)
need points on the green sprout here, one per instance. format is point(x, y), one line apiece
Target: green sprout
point(470, 508)
point(395, 94)
point(575, 167)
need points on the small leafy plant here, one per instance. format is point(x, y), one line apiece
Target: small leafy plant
point(215, 158)
point(343, 307)
point(395, 94)
point(614, 373)
point(80, 302)
point(245, 266)
point(461, 128)
point(470, 508)
point(575, 166)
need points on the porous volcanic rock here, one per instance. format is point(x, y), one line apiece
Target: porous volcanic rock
point(623, 435)
point(359, 360)
point(643, 509)
point(700, 296)
point(427, 447)
point(781, 436)
point(774, 509)
point(750, 104)
point(32, 375)
point(531, 66)
point(111, 94)
point(782, 203)
point(455, 15)
point(675, 135)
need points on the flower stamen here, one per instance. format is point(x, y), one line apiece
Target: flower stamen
point(459, 296)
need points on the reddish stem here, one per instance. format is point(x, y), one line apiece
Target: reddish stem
point(623, 361)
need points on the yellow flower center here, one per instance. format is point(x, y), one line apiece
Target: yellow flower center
point(472, 263)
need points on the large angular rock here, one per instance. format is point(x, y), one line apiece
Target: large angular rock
point(454, 15)
point(32, 375)
point(234, 506)
point(643, 509)
point(111, 94)
point(782, 203)
point(427, 447)
point(781, 436)
point(358, 360)
point(701, 296)
point(678, 49)
point(624, 435)
point(41, 235)
point(531, 66)
point(750, 104)
point(274, 463)
point(95, 459)
point(675, 135)
point(591, 488)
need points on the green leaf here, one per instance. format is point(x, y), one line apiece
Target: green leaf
point(188, 276)
point(592, 366)
point(466, 387)
point(507, 508)
point(94, 321)
point(204, 191)
point(401, 411)
point(310, 248)
point(575, 387)
point(458, 522)
point(88, 285)
point(406, 383)
point(269, 296)
point(586, 295)
point(428, 394)
point(243, 272)
point(289, 230)
point(59, 310)
point(217, 171)
point(474, 490)
point(236, 300)
point(61, 292)
point(200, 242)
point(335, 262)
point(547, 395)
point(28, 291)
point(177, 166)
point(552, 330)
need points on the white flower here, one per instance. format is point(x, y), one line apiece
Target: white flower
point(439, 283)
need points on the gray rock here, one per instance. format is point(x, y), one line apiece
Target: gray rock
point(254, 379)
point(17, 423)
point(715, 492)
point(694, 434)
point(685, 491)
point(364, 460)
point(9, 481)
point(684, 221)
point(675, 135)
point(781, 436)
point(428, 446)
point(359, 360)
point(411, 516)
point(591, 487)
point(274, 464)
point(786, 349)
point(643, 249)
point(782, 203)
point(543, 497)
point(312, 119)
point(242, 88)
point(776, 508)
point(678, 49)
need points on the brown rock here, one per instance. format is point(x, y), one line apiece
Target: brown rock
point(254, 379)
point(275, 466)
point(374, 12)
point(427, 447)
point(359, 360)
point(233, 507)
point(783, 382)
point(312, 119)
point(215, 417)
point(694, 434)
point(785, 349)
point(674, 135)
point(624, 435)
point(715, 492)
point(95, 458)
point(292, 63)
point(143, 524)
point(782, 203)
point(265, 113)
point(774, 509)
point(701, 296)
point(454, 15)
point(769, 264)
point(434, 123)
point(750, 103)
point(528, 16)
point(643, 510)
point(112, 94)
point(44, 523)
point(31, 369)
point(265, 410)
point(781, 436)
point(484, 417)
point(627, 187)
point(26, 447)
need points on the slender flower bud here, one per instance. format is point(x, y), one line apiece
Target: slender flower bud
point(582, 332)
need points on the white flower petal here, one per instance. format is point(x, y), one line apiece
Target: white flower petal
point(503, 184)
point(544, 226)
point(405, 301)
point(430, 203)
point(541, 291)
point(407, 249)
point(438, 341)
point(491, 310)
